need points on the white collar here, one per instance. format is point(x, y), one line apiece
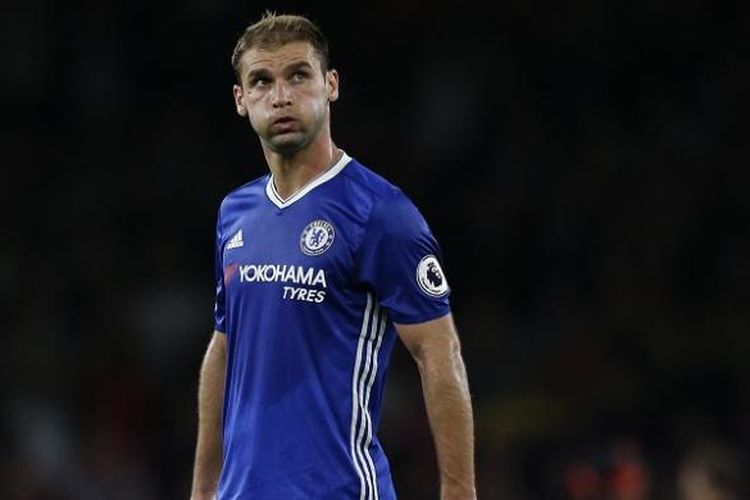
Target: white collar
point(325, 176)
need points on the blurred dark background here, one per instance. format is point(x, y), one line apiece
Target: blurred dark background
point(583, 166)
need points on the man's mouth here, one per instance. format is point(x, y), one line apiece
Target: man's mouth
point(284, 125)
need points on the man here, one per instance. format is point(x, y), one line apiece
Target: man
point(320, 264)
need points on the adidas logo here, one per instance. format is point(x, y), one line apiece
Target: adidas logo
point(236, 241)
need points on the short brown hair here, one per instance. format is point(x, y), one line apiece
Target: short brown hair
point(274, 30)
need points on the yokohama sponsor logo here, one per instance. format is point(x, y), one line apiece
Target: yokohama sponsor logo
point(282, 273)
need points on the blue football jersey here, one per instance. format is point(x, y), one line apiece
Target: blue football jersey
point(308, 290)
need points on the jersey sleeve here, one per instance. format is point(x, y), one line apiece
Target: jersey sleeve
point(220, 304)
point(400, 261)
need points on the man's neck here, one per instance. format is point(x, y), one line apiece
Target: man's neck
point(292, 173)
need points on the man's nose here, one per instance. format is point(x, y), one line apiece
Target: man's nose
point(281, 94)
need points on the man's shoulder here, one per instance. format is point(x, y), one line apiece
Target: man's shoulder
point(250, 189)
point(387, 206)
point(372, 184)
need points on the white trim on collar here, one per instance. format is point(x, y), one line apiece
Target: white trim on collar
point(326, 176)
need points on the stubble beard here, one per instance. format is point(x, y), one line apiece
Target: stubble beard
point(290, 143)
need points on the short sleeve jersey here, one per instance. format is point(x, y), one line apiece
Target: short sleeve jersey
point(307, 292)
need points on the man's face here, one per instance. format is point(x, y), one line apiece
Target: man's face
point(285, 95)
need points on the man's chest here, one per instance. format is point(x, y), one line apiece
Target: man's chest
point(300, 256)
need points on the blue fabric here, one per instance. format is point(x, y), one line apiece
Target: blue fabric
point(307, 293)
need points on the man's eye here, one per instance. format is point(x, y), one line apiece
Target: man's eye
point(299, 76)
point(259, 82)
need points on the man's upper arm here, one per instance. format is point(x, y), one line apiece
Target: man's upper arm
point(398, 260)
point(219, 337)
point(436, 336)
point(217, 346)
point(220, 302)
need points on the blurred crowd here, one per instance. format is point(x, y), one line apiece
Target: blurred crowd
point(583, 167)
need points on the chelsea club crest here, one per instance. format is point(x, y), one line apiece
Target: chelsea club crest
point(317, 237)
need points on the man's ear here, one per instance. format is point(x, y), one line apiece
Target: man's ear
point(239, 98)
point(332, 85)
